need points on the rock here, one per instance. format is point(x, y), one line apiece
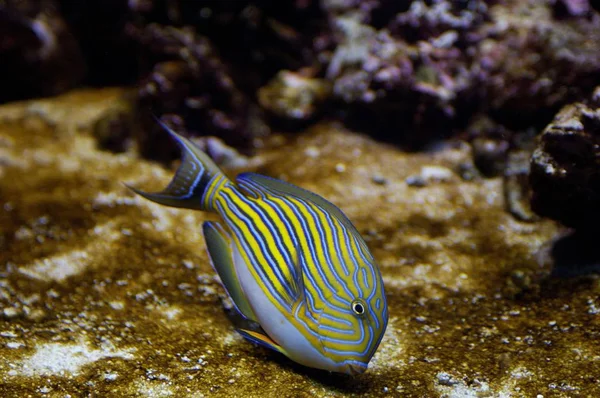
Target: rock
point(517, 191)
point(225, 156)
point(293, 96)
point(39, 54)
point(103, 290)
point(429, 174)
point(571, 254)
point(429, 64)
point(565, 168)
point(113, 130)
point(406, 71)
point(575, 8)
point(102, 30)
point(192, 81)
point(490, 155)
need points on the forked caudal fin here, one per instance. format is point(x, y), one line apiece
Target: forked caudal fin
point(196, 181)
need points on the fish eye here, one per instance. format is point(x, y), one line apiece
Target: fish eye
point(358, 307)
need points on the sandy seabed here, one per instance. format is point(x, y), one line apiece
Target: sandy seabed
point(105, 294)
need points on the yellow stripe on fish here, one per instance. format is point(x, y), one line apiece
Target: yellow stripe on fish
point(291, 261)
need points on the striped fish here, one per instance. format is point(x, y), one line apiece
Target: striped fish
point(291, 262)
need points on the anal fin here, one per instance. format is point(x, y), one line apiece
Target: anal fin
point(219, 250)
point(261, 339)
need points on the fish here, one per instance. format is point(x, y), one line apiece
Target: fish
point(292, 263)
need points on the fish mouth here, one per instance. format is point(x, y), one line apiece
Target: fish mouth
point(355, 368)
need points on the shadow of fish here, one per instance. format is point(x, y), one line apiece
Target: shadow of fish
point(290, 261)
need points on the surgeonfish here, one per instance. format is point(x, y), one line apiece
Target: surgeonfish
point(291, 262)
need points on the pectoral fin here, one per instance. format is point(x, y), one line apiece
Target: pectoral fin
point(219, 249)
point(261, 339)
point(297, 281)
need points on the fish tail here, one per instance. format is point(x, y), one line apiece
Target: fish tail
point(196, 183)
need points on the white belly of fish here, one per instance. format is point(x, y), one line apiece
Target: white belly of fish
point(275, 323)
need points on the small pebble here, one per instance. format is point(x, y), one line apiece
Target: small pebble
point(379, 180)
point(11, 312)
point(416, 181)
